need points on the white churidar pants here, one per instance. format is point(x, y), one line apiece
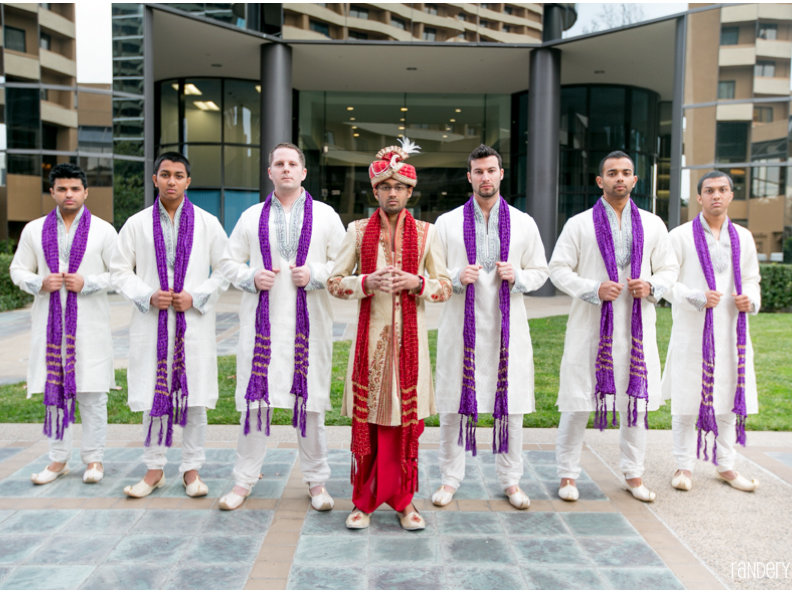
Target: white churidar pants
point(683, 429)
point(569, 444)
point(508, 467)
point(93, 413)
point(252, 449)
point(193, 439)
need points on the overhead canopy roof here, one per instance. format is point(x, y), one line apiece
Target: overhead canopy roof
point(191, 46)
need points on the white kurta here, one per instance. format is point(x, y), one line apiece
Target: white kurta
point(241, 260)
point(94, 343)
point(527, 256)
point(682, 373)
point(134, 268)
point(577, 268)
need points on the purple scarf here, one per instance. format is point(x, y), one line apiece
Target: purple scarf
point(257, 388)
point(606, 384)
point(468, 407)
point(706, 422)
point(171, 403)
point(61, 386)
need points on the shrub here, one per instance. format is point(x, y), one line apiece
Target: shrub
point(11, 297)
point(776, 287)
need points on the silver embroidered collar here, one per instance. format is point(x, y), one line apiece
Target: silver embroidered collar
point(487, 238)
point(720, 249)
point(289, 235)
point(65, 238)
point(170, 230)
point(622, 237)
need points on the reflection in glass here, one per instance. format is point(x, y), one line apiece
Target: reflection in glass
point(234, 204)
point(205, 164)
point(241, 112)
point(202, 121)
point(241, 167)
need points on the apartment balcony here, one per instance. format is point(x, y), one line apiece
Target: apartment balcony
point(55, 22)
point(766, 85)
point(737, 55)
point(773, 48)
point(734, 112)
point(22, 65)
point(57, 114)
point(57, 62)
point(739, 13)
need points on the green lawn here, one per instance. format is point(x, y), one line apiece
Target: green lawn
point(770, 333)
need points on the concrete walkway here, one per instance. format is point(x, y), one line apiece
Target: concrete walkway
point(68, 535)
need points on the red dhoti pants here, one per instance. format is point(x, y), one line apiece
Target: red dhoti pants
point(382, 472)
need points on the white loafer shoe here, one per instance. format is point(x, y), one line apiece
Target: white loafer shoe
point(94, 473)
point(641, 493)
point(681, 481)
point(518, 499)
point(442, 496)
point(322, 501)
point(47, 476)
point(569, 492)
point(358, 520)
point(231, 500)
point(741, 483)
point(197, 488)
point(142, 488)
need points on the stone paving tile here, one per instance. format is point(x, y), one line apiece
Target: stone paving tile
point(641, 579)
point(204, 576)
point(241, 521)
point(400, 577)
point(8, 452)
point(599, 524)
point(4, 572)
point(484, 578)
point(37, 521)
point(327, 578)
point(620, 551)
point(4, 515)
point(14, 550)
point(468, 523)
point(104, 521)
point(338, 549)
point(563, 578)
point(396, 550)
point(82, 549)
point(476, 549)
point(166, 521)
point(536, 524)
point(127, 577)
point(47, 577)
point(148, 548)
point(226, 548)
point(555, 550)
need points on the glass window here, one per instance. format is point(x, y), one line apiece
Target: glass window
point(731, 144)
point(205, 164)
point(508, 9)
point(241, 166)
point(399, 23)
point(241, 112)
point(236, 202)
point(45, 41)
point(98, 170)
point(607, 110)
point(430, 8)
point(764, 68)
point(95, 139)
point(320, 27)
point(762, 114)
point(128, 66)
point(484, 23)
point(767, 31)
point(169, 112)
point(430, 34)
point(24, 164)
point(127, 27)
point(133, 86)
point(22, 117)
point(202, 121)
point(358, 12)
point(507, 28)
point(14, 38)
point(729, 35)
point(357, 34)
point(209, 200)
point(461, 16)
point(726, 89)
point(127, 108)
point(767, 181)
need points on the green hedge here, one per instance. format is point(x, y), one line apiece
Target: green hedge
point(10, 295)
point(776, 287)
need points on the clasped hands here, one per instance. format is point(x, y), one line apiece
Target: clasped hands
point(470, 273)
point(53, 282)
point(181, 302)
point(391, 280)
point(741, 302)
point(265, 279)
point(639, 289)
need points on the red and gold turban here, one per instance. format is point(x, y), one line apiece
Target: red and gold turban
point(390, 163)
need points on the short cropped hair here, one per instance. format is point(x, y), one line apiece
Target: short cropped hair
point(712, 175)
point(67, 171)
point(615, 155)
point(483, 151)
point(288, 145)
point(174, 157)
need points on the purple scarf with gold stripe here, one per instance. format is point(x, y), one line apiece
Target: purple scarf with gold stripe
point(61, 386)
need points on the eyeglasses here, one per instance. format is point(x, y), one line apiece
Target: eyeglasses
point(388, 187)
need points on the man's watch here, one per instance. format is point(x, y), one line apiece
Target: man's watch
point(651, 289)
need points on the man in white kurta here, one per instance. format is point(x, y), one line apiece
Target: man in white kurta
point(690, 298)
point(578, 269)
point(94, 345)
point(526, 270)
point(134, 267)
point(243, 265)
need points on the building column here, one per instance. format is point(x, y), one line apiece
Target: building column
point(149, 141)
point(276, 104)
point(677, 115)
point(544, 120)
